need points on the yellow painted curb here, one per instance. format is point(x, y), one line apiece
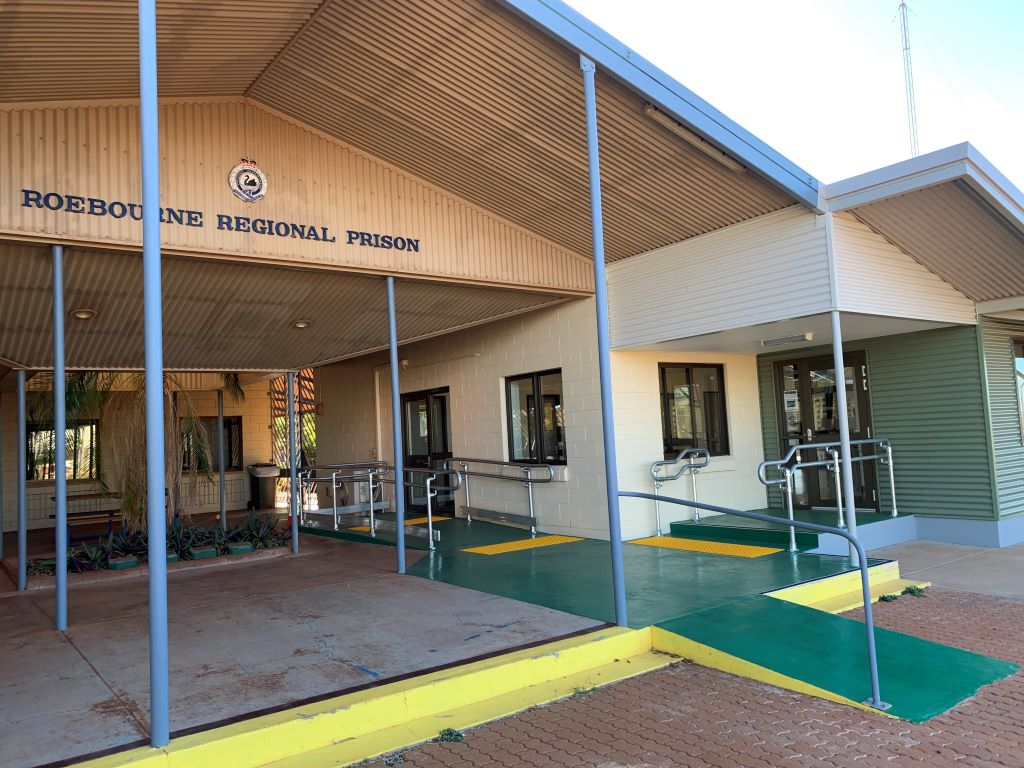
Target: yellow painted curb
point(366, 723)
point(706, 547)
point(706, 656)
point(841, 593)
point(409, 521)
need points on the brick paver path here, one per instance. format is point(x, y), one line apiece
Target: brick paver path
point(687, 715)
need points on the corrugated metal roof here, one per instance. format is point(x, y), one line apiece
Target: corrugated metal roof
point(225, 315)
point(949, 229)
point(464, 94)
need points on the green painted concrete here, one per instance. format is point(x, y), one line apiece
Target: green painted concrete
point(743, 530)
point(576, 577)
point(927, 396)
point(919, 678)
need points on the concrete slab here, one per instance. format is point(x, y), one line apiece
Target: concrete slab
point(983, 570)
point(243, 638)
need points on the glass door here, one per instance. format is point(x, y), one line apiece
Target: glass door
point(809, 414)
point(427, 436)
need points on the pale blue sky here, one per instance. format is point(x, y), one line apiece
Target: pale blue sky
point(822, 80)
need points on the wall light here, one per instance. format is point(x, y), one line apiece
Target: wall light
point(83, 313)
point(300, 324)
point(809, 336)
point(680, 130)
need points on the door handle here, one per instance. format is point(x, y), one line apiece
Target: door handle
point(810, 434)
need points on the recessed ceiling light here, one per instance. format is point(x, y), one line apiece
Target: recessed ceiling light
point(301, 324)
point(83, 313)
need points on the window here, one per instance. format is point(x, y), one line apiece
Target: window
point(693, 408)
point(535, 434)
point(232, 444)
point(1018, 380)
point(81, 441)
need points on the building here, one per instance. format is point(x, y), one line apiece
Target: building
point(325, 167)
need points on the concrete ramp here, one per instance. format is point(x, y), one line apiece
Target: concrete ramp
point(821, 654)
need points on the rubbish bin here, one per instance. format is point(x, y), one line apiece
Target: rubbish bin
point(263, 485)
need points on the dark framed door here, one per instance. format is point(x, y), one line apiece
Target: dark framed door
point(808, 414)
point(426, 431)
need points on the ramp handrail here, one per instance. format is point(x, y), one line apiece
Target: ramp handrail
point(527, 481)
point(339, 473)
point(698, 458)
point(430, 490)
point(834, 464)
point(862, 561)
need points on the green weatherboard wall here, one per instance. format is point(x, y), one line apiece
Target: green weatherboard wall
point(927, 396)
point(997, 337)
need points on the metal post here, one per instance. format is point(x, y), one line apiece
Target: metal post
point(396, 428)
point(892, 477)
point(693, 486)
point(529, 499)
point(220, 458)
point(837, 471)
point(293, 490)
point(22, 470)
point(657, 508)
point(787, 474)
point(603, 346)
point(430, 510)
point(369, 489)
point(469, 502)
point(844, 429)
point(334, 497)
point(60, 447)
point(156, 517)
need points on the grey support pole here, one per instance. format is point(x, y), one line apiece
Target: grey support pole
point(845, 452)
point(22, 480)
point(396, 428)
point(220, 458)
point(156, 517)
point(60, 447)
point(293, 491)
point(603, 345)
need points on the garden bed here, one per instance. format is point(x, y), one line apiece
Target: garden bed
point(124, 554)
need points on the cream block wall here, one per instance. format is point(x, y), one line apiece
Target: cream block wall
point(356, 421)
point(730, 481)
point(256, 446)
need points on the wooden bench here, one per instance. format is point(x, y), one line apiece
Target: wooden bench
point(84, 517)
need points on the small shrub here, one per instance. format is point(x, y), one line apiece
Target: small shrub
point(889, 598)
point(450, 735)
point(914, 590)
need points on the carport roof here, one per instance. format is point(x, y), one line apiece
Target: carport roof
point(480, 97)
point(954, 212)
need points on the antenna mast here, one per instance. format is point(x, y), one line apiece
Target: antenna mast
point(908, 77)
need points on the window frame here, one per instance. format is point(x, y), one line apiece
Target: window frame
point(663, 403)
point(211, 428)
point(538, 420)
point(48, 426)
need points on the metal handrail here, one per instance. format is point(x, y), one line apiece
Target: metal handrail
point(834, 463)
point(865, 580)
point(378, 469)
point(698, 459)
point(431, 491)
point(528, 481)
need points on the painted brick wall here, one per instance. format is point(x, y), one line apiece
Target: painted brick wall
point(473, 364)
point(730, 481)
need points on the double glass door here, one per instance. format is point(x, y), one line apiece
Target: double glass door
point(809, 414)
point(427, 434)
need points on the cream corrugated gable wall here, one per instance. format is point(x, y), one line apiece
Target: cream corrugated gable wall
point(876, 277)
point(770, 268)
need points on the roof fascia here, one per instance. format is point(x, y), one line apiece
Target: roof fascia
point(580, 34)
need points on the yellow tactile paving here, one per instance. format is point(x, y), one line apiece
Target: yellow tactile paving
point(516, 546)
point(409, 521)
point(706, 547)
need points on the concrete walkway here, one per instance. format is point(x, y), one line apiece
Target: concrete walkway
point(243, 638)
point(982, 570)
